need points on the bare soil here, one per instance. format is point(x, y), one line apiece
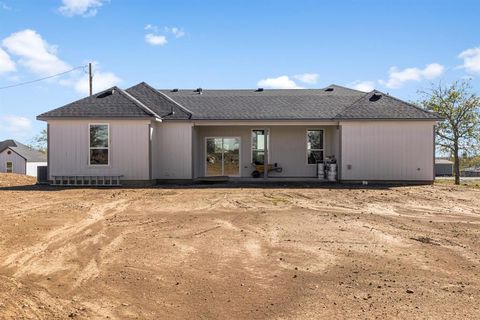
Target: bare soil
point(239, 253)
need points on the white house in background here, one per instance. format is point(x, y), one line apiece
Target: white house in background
point(16, 157)
point(150, 135)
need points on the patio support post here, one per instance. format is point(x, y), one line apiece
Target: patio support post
point(265, 155)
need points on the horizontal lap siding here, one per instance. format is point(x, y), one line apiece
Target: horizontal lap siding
point(129, 143)
point(387, 150)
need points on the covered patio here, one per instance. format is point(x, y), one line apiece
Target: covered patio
point(237, 151)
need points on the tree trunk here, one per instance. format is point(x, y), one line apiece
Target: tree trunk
point(456, 165)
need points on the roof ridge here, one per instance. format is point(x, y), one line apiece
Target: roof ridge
point(168, 98)
point(190, 113)
point(408, 103)
point(350, 106)
point(138, 103)
point(343, 87)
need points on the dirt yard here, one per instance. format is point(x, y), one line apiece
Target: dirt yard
point(239, 253)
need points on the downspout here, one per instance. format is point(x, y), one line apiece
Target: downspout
point(48, 151)
point(265, 154)
point(434, 151)
point(339, 153)
point(150, 160)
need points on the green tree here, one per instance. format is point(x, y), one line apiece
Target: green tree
point(39, 142)
point(460, 131)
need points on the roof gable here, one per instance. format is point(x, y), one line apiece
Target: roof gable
point(158, 102)
point(29, 154)
point(112, 102)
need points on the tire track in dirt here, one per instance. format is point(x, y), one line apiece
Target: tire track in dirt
point(57, 248)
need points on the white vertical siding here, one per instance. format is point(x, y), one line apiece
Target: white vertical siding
point(129, 145)
point(387, 150)
point(172, 150)
point(32, 168)
point(17, 161)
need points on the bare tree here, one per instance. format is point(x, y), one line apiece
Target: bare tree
point(39, 142)
point(460, 131)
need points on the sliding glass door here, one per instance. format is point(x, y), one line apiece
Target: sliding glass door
point(223, 156)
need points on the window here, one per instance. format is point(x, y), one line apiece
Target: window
point(99, 145)
point(258, 146)
point(314, 146)
point(9, 166)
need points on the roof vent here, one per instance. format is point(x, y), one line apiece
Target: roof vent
point(329, 89)
point(199, 90)
point(105, 94)
point(259, 90)
point(375, 97)
point(175, 90)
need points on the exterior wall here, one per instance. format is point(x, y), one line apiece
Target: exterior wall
point(32, 168)
point(172, 150)
point(387, 150)
point(287, 147)
point(129, 149)
point(443, 169)
point(17, 161)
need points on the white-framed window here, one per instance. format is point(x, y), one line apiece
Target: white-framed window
point(99, 144)
point(315, 145)
point(258, 146)
point(9, 167)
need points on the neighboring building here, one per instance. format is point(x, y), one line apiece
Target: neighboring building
point(16, 157)
point(470, 172)
point(144, 134)
point(443, 168)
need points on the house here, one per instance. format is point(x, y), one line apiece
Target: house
point(16, 157)
point(443, 168)
point(470, 172)
point(147, 135)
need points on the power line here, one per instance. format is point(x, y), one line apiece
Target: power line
point(41, 79)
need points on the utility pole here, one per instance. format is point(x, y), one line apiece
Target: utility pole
point(90, 76)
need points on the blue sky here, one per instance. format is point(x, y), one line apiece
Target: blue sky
point(398, 47)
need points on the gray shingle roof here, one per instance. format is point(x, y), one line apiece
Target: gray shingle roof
point(294, 104)
point(29, 154)
point(114, 105)
point(386, 107)
point(331, 103)
point(158, 102)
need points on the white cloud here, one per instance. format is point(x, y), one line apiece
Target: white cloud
point(177, 32)
point(41, 58)
point(6, 64)
point(86, 8)
point(155, 36)
point(282, 82)
point(101, 81)
point(12, 125)
point(397, 78)
point(365, 86)
point(35, 53)
point(471, 60)
point(155, 40)
point(310, 78)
